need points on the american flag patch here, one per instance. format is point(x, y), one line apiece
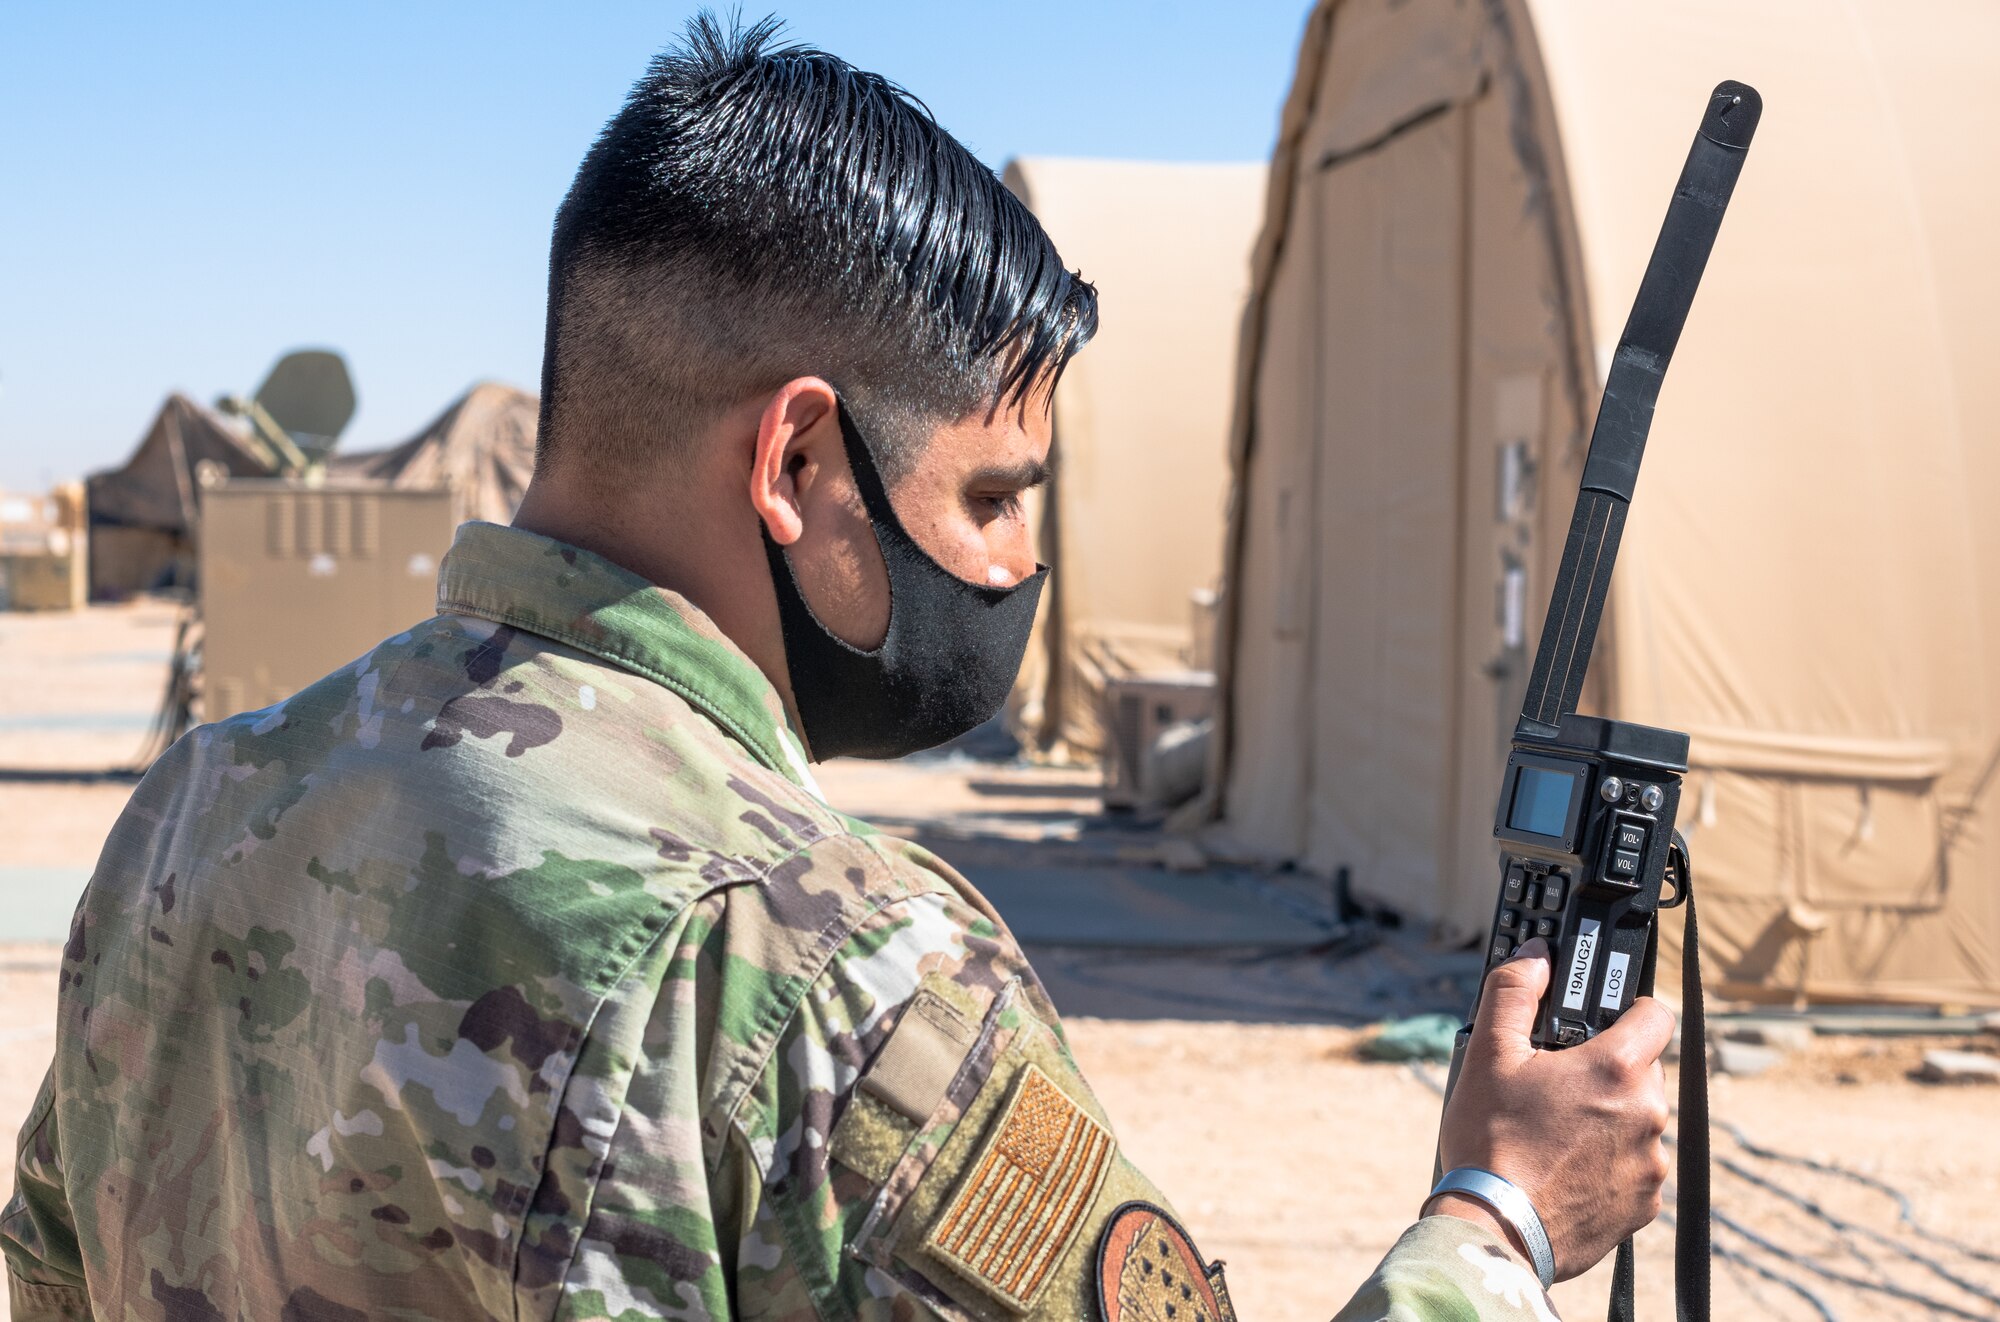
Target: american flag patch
point(1017, 1212)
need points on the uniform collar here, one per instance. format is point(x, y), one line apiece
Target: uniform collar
point(543, 586)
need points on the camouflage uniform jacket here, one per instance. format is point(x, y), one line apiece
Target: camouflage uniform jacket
point(517, 970)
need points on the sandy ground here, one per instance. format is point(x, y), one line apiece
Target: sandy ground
point(1232, 1075)
point(77, 692)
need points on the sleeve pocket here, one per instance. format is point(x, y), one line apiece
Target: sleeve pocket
point(989, 1204)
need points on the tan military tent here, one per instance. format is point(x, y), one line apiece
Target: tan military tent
point(1462, 200)
point(1133, 519)
point(483, 447)
point(143, 513)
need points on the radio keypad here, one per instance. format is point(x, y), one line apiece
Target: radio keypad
point(1531, 904)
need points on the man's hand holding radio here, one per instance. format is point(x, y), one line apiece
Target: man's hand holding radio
point(1578, 1131)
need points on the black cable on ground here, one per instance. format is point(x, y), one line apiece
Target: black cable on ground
point(1842, 1278)
point(175, 712)
point(1849, 1229)
point(1846, 1227)
point(1818, 1305)
point(1729, 1255)
point(1904, 1210)
point(68, 776)
point(1748, 1282)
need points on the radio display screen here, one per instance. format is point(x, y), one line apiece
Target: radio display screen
point(1541, 801)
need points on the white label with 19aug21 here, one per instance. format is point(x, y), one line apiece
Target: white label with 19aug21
point(1579, 963)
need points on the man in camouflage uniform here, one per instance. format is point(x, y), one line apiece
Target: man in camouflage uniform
point(519, 970)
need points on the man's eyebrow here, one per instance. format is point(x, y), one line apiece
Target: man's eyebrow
point(1019, 477)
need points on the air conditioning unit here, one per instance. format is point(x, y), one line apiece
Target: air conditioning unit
point(298, 579)
point(1138, 709)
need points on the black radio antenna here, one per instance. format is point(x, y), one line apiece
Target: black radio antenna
point(1631, 389)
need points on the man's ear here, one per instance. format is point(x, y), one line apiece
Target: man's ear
point(799, 421)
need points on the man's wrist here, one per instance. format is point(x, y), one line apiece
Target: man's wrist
point(1471, 1209)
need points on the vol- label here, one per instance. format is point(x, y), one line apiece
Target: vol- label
point(1578, 981)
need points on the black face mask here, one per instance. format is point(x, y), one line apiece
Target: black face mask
point(945, 665)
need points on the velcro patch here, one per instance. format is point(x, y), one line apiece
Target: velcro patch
point(1015, 1215)
point(917, 1063)
point(1148, 1270)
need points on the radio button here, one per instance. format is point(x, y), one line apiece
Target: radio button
point(1624, 865)
point(1545, 927)
point(1552, 893)
point(1515, 885)
point(1502, 947)
point(1509, 920)
point(1630, 835)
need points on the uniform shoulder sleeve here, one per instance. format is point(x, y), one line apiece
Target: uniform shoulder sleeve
point(841, 1064)
point(37, 1232)
point(921, 1143)
point(764, 1004)
point(1445, 1267)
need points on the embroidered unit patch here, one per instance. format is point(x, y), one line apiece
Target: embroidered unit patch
point(1014, 1216)
point(1149, 1271)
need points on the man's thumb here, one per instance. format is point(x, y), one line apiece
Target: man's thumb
point(1508, 1004)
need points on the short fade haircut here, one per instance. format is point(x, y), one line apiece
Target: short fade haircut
point(759, 212)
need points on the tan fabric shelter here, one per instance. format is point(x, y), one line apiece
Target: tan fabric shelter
point(142, 514)
point(1133, 520)
point(1462, 200)
point(482, 447)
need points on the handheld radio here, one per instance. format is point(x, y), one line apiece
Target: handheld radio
point(1587, 804)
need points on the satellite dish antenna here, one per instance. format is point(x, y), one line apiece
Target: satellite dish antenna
point(310, 396)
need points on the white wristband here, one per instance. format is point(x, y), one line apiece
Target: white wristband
point(1510, 1205)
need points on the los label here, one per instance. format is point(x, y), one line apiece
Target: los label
point(1578, 981)
point(1614, 980)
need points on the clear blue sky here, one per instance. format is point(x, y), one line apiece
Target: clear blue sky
point(186, 191)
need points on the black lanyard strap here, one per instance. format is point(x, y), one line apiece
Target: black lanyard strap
point(1691, 1174)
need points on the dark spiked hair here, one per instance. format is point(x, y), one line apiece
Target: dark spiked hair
point(758, 212)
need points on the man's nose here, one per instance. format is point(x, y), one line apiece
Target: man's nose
point(1012, 562)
